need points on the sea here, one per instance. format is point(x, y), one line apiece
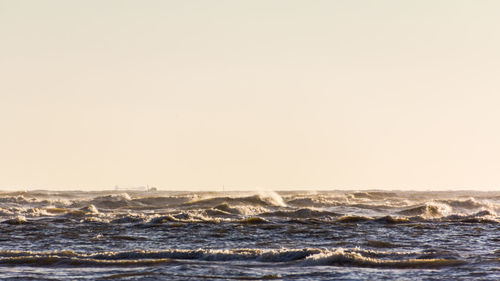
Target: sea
point(251, 235)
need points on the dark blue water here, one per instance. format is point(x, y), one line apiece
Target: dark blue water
point(331, 235)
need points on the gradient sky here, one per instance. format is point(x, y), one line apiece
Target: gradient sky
point(250, 94)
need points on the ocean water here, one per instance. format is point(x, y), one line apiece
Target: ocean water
point(296, 235)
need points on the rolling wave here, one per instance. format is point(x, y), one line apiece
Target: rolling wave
point(164, 207)
point(295, 257)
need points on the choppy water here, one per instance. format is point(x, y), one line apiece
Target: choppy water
point(331, 235)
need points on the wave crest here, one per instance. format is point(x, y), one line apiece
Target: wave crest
point(301, 257)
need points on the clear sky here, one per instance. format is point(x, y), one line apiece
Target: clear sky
point(250, 94)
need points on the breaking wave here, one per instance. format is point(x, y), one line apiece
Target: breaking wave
point(140, 207)
point(299, 257)
point(341, 257)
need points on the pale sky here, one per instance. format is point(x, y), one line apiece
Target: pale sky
point(250, 94)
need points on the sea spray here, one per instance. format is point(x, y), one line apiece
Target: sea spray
point(292, 235)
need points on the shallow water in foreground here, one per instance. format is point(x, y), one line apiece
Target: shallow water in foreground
point(327, 235)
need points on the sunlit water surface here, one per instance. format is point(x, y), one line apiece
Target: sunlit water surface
point(330, 235)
